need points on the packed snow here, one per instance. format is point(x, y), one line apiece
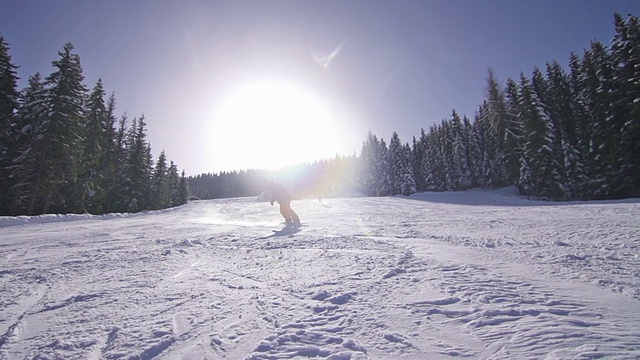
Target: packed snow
point(476, 274)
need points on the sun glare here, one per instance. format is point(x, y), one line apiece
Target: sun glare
point(268, 125)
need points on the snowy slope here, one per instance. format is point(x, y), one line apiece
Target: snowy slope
point(479, 274)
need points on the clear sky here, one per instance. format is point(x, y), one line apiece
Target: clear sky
point(229, 85)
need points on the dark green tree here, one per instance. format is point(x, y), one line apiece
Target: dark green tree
point(137, 168)
point(625, 102)
point(160, 192)
point(95, 143)
point(63, 134)
point(8, 129)
point(27, 152)
point(402, 181)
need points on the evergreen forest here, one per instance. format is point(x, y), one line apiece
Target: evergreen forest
point(63, 150)
point(557, 134)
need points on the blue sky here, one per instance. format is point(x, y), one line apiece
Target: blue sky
point(397, 65)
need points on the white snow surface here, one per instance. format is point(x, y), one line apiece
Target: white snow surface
point(476, 274)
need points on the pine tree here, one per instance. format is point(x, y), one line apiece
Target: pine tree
point(460, 140)
point(96, 142)
point(561, 106)
point(401, 170)
point(8, 95)
point(472, 151)
point(384, 169)
point(595, 83)
point(174, 184)
point(28, 144)
point(64, 131)
point(482, 163)
point(8, 105)
point(48, 184)
point(540, 146)
point(418, 150)
point(513, 135)
point(160, 193)
point(428, 161)
point(395, 164)
point(117, 185)
point(110, 156)
point(137, 168)
point(495, 171)
point(368, 164)
point(183, 190)
point(408, 184)
point(625, 104)
point(375, 177)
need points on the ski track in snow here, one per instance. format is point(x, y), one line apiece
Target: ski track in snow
point(479, 274)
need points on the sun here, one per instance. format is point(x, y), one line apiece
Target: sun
point(268, 125)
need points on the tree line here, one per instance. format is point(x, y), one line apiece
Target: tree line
point(62, 149)
point(325, 178)
point(558, 135)
point(555, 134)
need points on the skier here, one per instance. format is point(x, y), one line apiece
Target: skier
point(280, 194)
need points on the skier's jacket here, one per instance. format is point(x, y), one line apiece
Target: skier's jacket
point(279, 193)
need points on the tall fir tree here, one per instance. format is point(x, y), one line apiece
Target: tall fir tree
point(160, 192)
point(57, 156)
point(28, 145)
point(95, 143)
point(541, 143)
point(625, 102)
point(64, 132)
point(137, 167)
point(8, 132)
point(561, 107)
point(402, 181)
point(596, 85)
point(461, 153)
point(183, 190)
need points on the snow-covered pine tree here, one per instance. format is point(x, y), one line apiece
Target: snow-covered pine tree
point(375, 166)
point(438, 159)
point(460, 140)
point(384, 169)
point(561, 107)
point(368, 164)
point(137, 167)
point(513, 134)
point(183, 190)
point(481, 151)
point(502, 125)
point(160, 192)
point(27, 150)
point(117, 185)
point(174, 186)
point(625, 102)
point(452, 175)
point(401, 170)
point(542, 152)
point(418, 152)
point(8, 105)
point(428, 161)
point(409, 179)
point(471, 149)
point(595, 88)
point(555, 180)
point(61, 135)
point(95, 143)
point(109, 160)
point(495, 175)
point(395, 164)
